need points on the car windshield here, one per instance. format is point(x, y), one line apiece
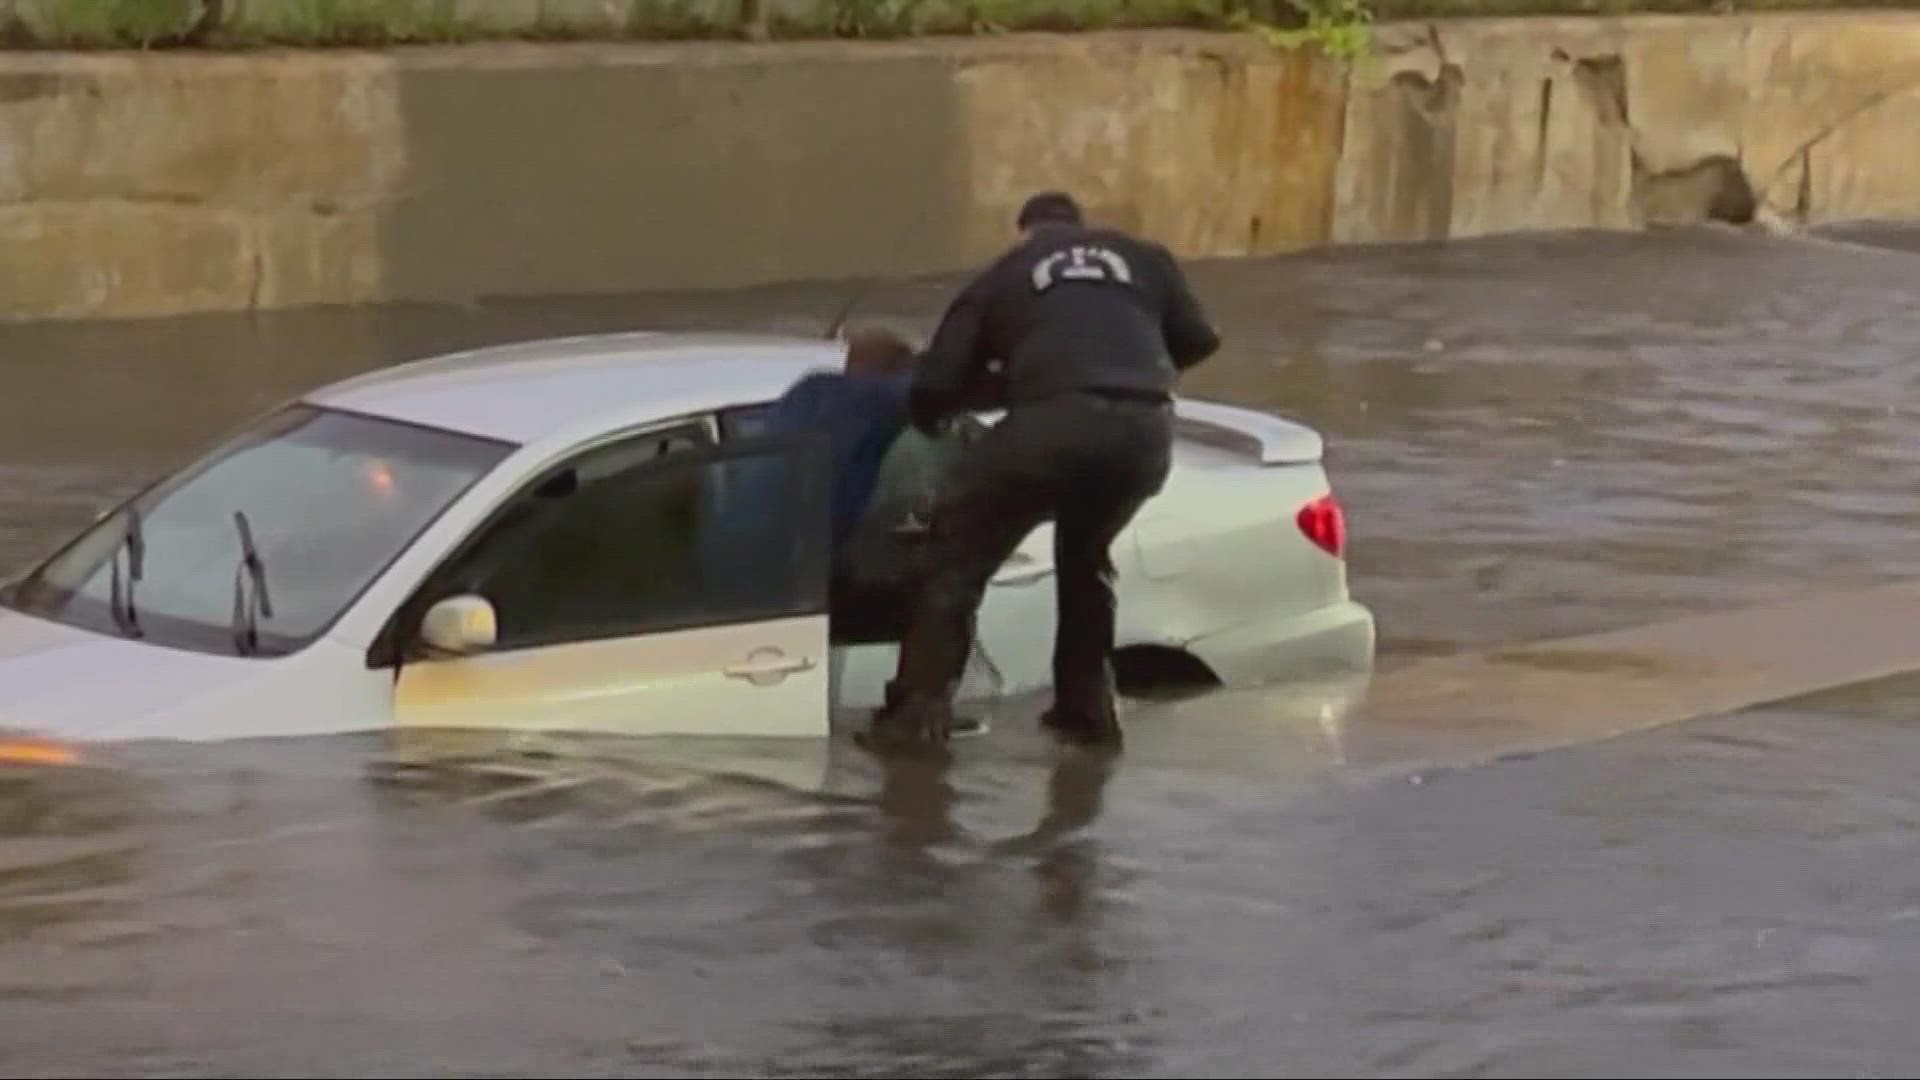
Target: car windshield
point(324, 500)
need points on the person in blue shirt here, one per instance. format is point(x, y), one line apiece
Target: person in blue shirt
point(861, 408)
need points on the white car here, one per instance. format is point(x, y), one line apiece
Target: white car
point(588, 535)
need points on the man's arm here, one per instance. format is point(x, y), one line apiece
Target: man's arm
point(953, 360)
point(1190, 336)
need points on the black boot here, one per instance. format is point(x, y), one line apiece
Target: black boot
point(1100, 731)
point(909, 722)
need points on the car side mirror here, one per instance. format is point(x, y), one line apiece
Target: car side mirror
point(460, 625)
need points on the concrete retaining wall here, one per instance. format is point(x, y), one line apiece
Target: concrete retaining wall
point(141, 185)
point(1469, 128)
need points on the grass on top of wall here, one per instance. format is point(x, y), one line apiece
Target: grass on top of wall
point(1337, 25)
point(1433, 9)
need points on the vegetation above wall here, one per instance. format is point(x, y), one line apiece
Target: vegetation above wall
point(1339, 28)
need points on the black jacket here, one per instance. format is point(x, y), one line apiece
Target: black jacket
point(1068, 309)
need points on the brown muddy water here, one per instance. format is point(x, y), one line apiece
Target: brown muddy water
point(1534, 437)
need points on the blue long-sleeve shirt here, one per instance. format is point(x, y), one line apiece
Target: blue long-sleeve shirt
point(861, 415)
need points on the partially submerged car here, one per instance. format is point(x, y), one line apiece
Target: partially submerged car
point(593, 535)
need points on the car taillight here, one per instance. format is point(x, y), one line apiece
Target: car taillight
point(1324, 523)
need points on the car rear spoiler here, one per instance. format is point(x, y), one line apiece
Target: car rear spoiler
point(1268, 439)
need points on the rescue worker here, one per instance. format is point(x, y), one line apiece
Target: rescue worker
point(1091, 328)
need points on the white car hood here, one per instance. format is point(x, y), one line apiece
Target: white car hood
point(73, 684)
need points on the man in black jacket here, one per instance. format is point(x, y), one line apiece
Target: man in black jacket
point(1090, 329)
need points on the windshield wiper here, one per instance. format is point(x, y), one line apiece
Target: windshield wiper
point(248, 605)
point(125, 613)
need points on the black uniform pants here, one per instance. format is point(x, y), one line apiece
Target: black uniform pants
point(1086, 462)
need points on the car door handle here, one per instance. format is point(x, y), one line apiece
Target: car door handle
point(771, 663)
point(1022, 569)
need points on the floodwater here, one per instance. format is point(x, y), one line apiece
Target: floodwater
point(1533, 436)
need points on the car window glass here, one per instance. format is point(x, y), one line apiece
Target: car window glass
point(745, 422)
point(331, 499)
point(672, 542)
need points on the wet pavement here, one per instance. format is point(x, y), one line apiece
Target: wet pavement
point(1534, 437)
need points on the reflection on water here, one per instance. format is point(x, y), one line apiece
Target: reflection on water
point(1534, 437)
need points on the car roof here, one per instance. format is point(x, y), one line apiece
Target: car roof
point(524, 391)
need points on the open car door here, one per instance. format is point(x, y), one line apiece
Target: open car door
point(636, 593)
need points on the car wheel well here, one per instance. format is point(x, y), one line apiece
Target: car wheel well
point(1160, 671)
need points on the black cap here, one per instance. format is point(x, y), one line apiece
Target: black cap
point(1049, 207)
